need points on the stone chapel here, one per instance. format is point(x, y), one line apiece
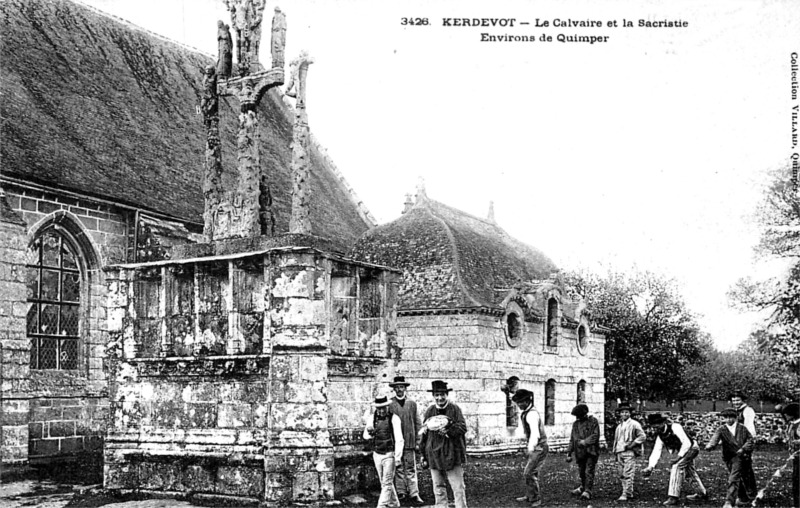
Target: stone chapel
point(190, 289)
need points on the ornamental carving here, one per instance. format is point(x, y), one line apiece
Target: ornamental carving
point(223, 366)
point(354, 367)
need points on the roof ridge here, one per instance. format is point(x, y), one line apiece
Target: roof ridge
point(134, 26)
point(462, 212)
point(456, 257)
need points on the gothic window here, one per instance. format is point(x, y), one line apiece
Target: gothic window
point(552, 322)
point(54, 294)
point(550, 402)
point(581, 399)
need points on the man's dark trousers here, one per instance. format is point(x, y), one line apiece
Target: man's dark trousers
point(586, 467)
point(736, 468)
point(747, 487)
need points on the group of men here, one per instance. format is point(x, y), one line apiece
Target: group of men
point(397, 433)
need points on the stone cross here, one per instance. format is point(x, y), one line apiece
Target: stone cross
point(301, 192)
point(245, 210)
point(246, 17)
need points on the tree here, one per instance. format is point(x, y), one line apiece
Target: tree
point(758, 374)
point(779, 216)
point(653, 339)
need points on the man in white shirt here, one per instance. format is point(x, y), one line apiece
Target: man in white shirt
point(746, 416)
point(536, 448)
point(628, 439)
point(674, 438)
point(385, 431)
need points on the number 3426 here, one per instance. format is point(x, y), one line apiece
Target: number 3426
point(414, 21)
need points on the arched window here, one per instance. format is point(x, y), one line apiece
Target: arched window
point(582, 340)
point(581, 399)
point(552, 321)
point(54, 294)
point(512, 415)
point(550, 402)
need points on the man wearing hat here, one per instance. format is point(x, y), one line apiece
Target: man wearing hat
point(584, 443)
point(746, 415)
point(737, 445)
point(385, 431)
point(405, 476)
point(537, 448)
point(444, 447)
point(791, 415)
point(674, 438)
point(628, 439)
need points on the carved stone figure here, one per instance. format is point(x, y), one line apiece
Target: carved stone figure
point(246, 16)
point(296, 86)
point(266, 218)
point(225, 50)
point(278, 39)
point(209, 104)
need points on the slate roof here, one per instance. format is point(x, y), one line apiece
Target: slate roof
point(451, 259)
point(98, 106)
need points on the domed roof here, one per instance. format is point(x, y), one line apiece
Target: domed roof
point(450, 259)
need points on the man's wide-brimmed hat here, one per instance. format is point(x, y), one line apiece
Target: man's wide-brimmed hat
point(522, 395)
point(439, 386)
point(728, 411)
point(656, 419)
point(580, 410)
point(624, 406)
point(792, 410)
point(399, 381)
point(381, 401)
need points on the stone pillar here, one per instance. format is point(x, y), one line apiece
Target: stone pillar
point(299, 452)
point(15, 350)
point(248, 156)
point(301, 187)
point(212, 180)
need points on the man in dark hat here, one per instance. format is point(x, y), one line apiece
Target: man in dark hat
point(443, 445)
point(536, 449)
point(405, 476)
point(791, 415)
point(746, 415)
point(737, 444)
point(674, 438)
point(628, 439)
point(385, 431)
point(584, 443)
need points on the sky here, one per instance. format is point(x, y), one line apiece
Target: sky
point(647, 151)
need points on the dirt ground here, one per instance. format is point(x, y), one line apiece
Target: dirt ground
point(494, 482)
point(497, 481)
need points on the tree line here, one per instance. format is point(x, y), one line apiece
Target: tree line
point(655, 349)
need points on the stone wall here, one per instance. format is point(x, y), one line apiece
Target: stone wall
point(64, 411)
point(470, 351)
point(106, 226)
point(769, 426)
point(14, 346)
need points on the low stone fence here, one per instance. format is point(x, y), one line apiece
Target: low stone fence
point(769, 426)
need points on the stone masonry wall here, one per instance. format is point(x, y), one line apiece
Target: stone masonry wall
point(15, 350)
point(106, 226)
point(471, 353)
point(65, 411)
